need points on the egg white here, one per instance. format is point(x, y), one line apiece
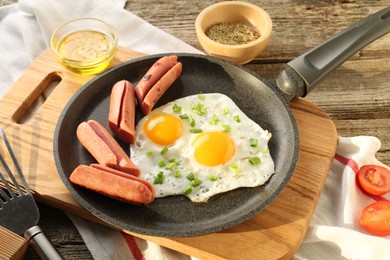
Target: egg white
point(235, 173)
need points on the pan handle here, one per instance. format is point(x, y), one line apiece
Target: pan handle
point(303, 73)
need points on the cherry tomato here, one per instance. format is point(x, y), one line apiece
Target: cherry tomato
point(374, 179)
point(375, 218)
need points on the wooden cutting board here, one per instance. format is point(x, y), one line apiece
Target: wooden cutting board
point(274, 233)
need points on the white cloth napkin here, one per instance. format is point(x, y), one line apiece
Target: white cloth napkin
point(26, 28)
point(334, 232)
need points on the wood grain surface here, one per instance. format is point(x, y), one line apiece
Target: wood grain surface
point(355, 96)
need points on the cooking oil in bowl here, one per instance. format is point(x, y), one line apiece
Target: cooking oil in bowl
point(85, 46)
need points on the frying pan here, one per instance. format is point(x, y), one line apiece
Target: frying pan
point(264, 101)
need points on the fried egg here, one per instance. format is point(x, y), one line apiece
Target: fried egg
point(199, 146)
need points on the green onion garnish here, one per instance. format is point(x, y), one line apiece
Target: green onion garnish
point(164, 150)
point(187, 191)
point(176, 108)
point(191, 176)
point(254, 160)
point(213, 178)
point(149, 154)
point(159, 178)
point(184, 116)
point(170, 166)
point(214, 120)
point(177, 173)
point(253, 142)
point(225, 110)
point(196, 182)
point(161, 163)
point(226, 128)
point(234, 167)
point(192, 121)
point(196, 130)
point(199, 109)
point(236, 119)
point(172, 162)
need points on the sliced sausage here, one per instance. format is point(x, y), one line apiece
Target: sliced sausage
point(112, 185)
point(103, 147)
point(154, 74)
point(125, 175)
point(159, 88)
point(121, 116)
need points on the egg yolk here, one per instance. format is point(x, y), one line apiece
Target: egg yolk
point(163, 129)
point(213, 148)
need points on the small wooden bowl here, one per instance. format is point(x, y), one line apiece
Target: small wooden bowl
point(234, 12)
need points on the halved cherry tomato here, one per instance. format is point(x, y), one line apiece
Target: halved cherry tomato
point(374, 179)
point(375, 218)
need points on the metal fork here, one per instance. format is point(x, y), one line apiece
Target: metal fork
point(19, 211)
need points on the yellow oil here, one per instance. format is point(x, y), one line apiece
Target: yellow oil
point(86, 52)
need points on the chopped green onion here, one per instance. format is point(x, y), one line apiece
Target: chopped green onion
point(196, 182)
point(196, 130)
point(214, 120)
point(192, 121)
point(184, 116)
point(161, 163)
point(187, 191)
point(170, 166)
point(164, 150)
point(149, 154)
point(171, 160)
point(159, 178)
point(199, 109)
point(236, 119)
point(213, 177)
point(226, 128)
point(234, 167)
point(176, 108)
point(191, 176)
point(225, 110)
point(253, 142)
point(265, 151)
point(172, 163)
point(177, 173)
point(254, 160)
point(201, 96)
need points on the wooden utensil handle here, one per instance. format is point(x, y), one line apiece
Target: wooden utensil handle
point(12, 246)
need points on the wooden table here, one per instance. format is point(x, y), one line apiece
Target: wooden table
point(356, 96)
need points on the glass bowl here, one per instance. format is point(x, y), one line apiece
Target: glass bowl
point(85, 46)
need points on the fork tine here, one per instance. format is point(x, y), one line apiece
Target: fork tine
point(16, 164)
point(4, 197)
point(6, 184)
point(9, 189)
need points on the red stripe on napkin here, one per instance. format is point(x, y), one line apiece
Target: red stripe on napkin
point(355, 168)
point(133, 247)
point(347, 162)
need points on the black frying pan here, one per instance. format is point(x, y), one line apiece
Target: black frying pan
point(264, 101)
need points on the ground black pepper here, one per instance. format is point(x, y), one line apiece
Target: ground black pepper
point(232, 33)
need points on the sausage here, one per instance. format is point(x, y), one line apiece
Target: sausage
point(112, 185)
point(103, 147)
point(154, 74)
point(125, 175)
point(121, 116)
point(160, 87)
